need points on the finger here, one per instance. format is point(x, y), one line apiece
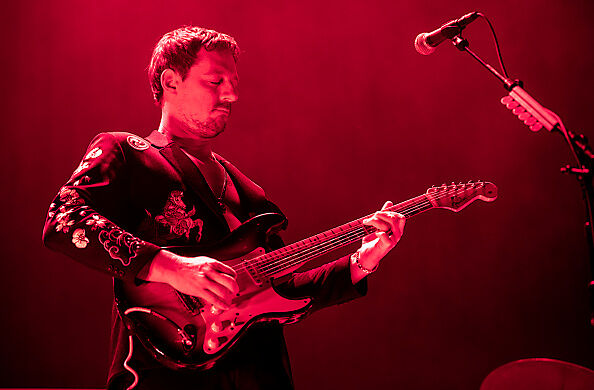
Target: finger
point(386, 205)
point(225, 280)
point(377, 223)
point(219, 289)
point(387, 241)
point(369, 238)
point(213, 299)
point(395, 220)
point(222, 267)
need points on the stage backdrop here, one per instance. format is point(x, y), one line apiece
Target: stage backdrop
point(337, 114)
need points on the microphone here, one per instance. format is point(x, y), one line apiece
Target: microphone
point(425, 43)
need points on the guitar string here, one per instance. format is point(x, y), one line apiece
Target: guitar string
point(301, 253)
point(282, 257)
point(296, 257)
point(318, 251)
point(321, 249)
point(339, 240)
point(353, 236)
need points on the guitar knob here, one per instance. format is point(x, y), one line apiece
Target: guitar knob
point(216, 326)
point(215, 311)
point(212, 343)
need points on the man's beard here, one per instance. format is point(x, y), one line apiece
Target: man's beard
point(211, 127)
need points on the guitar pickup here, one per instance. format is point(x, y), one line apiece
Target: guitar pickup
point(253, 272)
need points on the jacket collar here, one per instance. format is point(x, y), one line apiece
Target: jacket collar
point(158, 139)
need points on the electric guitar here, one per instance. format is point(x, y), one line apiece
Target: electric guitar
point(182, 332)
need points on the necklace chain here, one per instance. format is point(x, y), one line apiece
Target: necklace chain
point(221, 198)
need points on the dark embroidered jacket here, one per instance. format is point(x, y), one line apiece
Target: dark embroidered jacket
point(130, 196)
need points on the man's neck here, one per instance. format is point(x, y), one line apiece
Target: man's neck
point(191, 143)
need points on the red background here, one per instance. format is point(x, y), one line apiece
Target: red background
point(337, 114)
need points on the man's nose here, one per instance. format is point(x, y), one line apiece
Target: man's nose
point(229, 93)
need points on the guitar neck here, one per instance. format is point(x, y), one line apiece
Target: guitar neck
point(284, 260)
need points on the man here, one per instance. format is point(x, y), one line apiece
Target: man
point(131, 196)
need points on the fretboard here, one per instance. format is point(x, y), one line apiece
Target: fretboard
point(284, 260)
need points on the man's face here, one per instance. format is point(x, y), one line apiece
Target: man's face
point(203, 100)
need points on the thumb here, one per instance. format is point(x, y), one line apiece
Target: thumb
point(388, 204)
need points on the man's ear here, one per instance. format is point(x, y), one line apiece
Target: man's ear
point(169, 81)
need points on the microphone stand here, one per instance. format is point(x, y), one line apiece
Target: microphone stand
point(577, 143)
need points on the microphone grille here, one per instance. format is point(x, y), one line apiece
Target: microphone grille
point(422, 46)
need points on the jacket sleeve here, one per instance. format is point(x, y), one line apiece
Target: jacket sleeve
point(86, 217)
point(327, 285)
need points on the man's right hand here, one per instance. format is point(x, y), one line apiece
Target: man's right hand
point(202, 277)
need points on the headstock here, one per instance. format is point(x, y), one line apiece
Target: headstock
point(457, 196)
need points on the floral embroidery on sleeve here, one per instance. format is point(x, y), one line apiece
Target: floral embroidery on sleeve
point(96, 152)
point(63, 222)
point(83, 165)
point(79, 238)
point(51, 211)
point(96, 222)
point(119, 244)
point(82, 180)
point(70, 197)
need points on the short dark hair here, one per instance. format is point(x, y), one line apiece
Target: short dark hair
point(178, 49)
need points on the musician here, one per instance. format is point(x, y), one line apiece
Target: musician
point(130, 196)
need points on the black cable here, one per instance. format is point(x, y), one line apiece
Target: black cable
point(496, 44)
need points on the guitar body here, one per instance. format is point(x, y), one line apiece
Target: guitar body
point(180, 331)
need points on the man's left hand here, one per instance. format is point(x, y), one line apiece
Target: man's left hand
point(390, 226)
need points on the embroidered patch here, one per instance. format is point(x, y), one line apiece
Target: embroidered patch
point(96, 152)
point(137, 142)
point(79, 238)
point(177, 218)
